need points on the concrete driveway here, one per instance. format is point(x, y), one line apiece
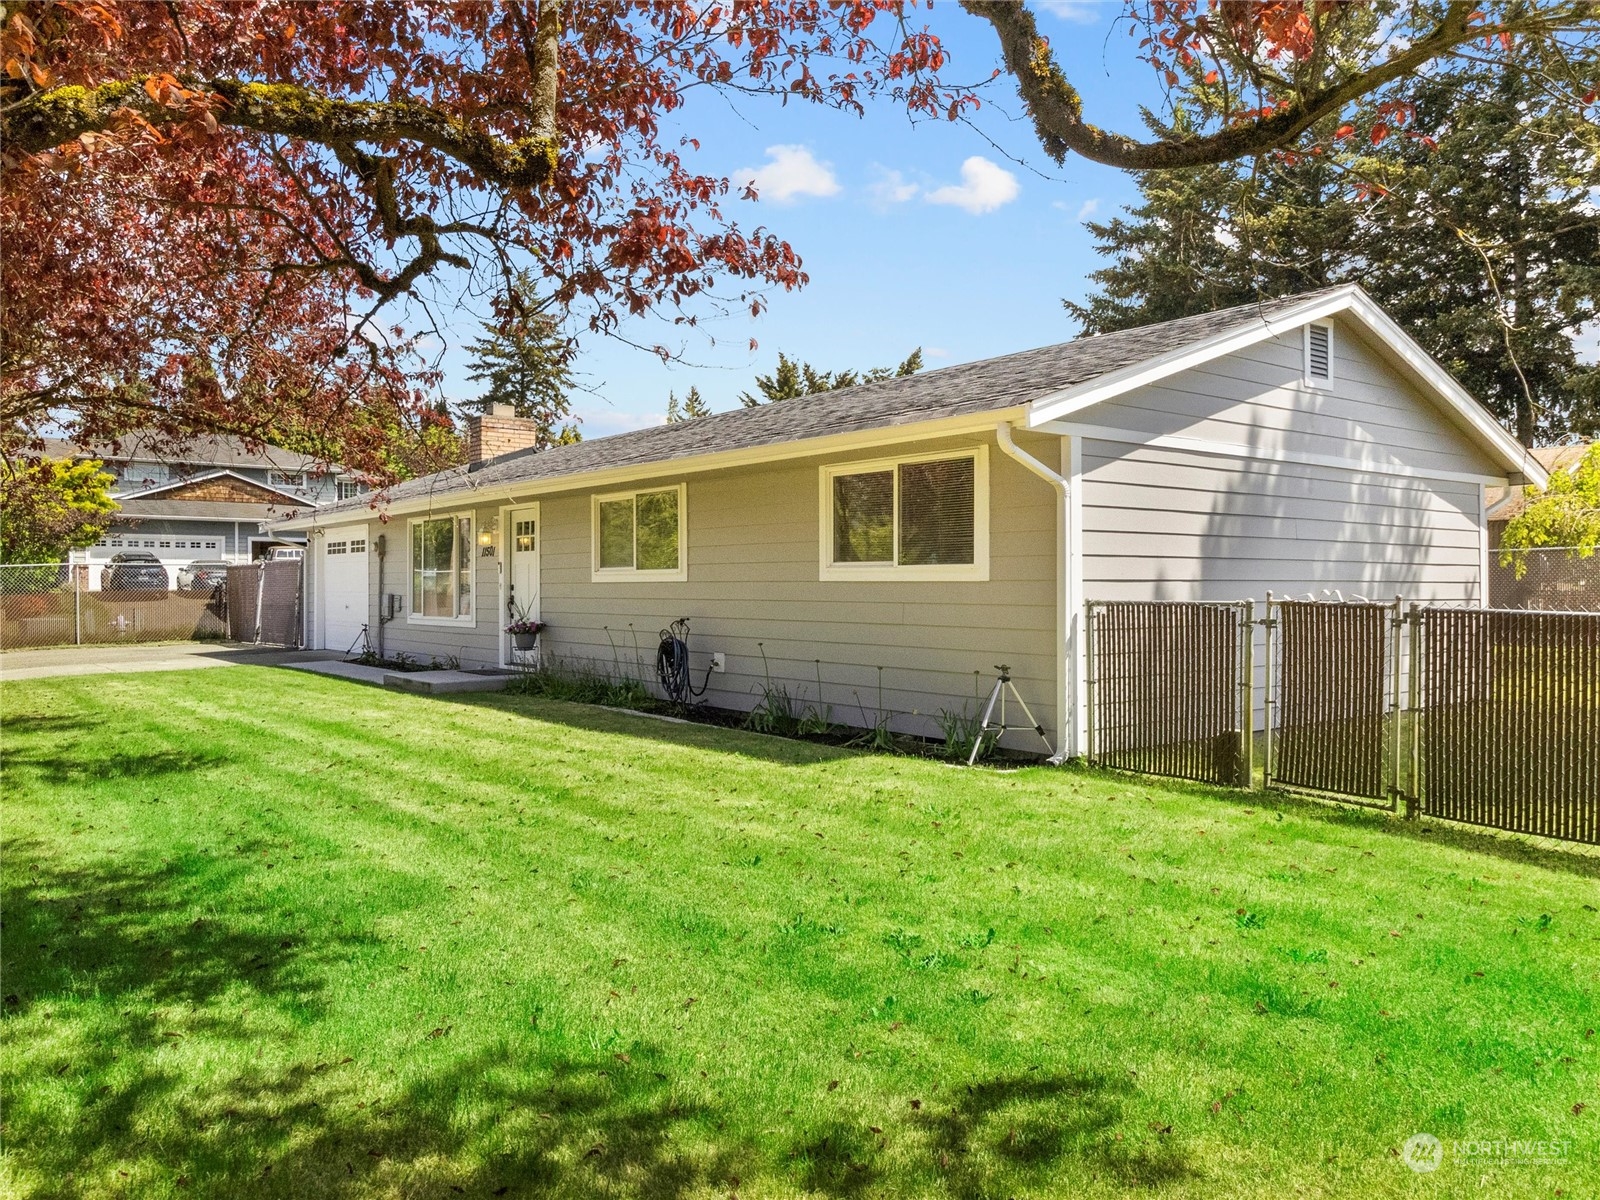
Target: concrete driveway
point(170, 656)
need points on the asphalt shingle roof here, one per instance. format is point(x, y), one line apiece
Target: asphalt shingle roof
point(964, 390)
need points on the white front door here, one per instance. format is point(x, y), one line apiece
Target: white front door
point(344, 588)
point(522, 568)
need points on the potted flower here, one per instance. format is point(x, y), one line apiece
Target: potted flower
point(524, 633)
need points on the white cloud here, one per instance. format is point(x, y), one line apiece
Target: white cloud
point(984, 187)
point(1088, 209)
point(890, 187)
point(790, 171)
point(936, 352)
point(1078, 12)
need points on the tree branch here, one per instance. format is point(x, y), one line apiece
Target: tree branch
point(1057, 108)
point(59, 115)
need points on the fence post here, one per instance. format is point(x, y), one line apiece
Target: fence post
point(1397, 625)
point(1413, 803)
point(1091, 676)
point(261, 591)
point(1247, 688)
point(77, 604)
point(1267, 624)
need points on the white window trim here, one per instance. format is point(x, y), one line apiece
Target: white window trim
point(1310, 380)
point(469, 621)
point(599, 574)
point(975, 572)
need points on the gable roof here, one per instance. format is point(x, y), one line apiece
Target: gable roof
point(219, 450)
point(1024, 384)
point(259, 493)
point(1505, 503)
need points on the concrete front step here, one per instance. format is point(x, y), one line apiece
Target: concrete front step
point(436, 683)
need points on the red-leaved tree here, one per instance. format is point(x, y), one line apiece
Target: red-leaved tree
point(210, 209)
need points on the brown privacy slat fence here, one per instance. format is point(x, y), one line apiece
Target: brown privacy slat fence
point(1165, 685)
point(1509, 728)
point(1330, 709)
point(264, 602)
point(88, 604)
point(1483, 716)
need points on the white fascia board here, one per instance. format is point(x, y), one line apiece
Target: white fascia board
point(534, 489)
point(1457, 402)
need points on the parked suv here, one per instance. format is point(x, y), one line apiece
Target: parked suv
point(202, 576)
point(281, 553)
point(134, 572)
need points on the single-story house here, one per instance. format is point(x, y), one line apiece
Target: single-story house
point(914, 533)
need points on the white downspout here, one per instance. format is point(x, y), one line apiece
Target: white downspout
point(1066, 689)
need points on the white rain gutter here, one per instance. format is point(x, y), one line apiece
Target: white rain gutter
point(1065, 655)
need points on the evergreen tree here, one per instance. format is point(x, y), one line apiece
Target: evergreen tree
point(1483, 245)
point(525, 360)
point(1487, 249)
point(688, 409)
point(794, 378)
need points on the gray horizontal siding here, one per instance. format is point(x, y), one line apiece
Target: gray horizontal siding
point(1238, 528)
point(1256, 397)
point(753, 586)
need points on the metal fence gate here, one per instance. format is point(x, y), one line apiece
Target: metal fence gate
point(1508, 728)
point(1333, 717)
point(1169, 689)
point(264, 602)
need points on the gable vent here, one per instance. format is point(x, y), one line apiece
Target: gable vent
point(1319, 352)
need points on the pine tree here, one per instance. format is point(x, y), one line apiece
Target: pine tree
point(525, 361)
point(1487, 249)
point(794, 378)
point(1483, 245)
point(688, 409)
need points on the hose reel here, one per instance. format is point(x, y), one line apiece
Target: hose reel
point(672, 664)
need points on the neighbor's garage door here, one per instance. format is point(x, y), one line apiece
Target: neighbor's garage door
point(343, 599)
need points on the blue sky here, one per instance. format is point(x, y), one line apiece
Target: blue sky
point(913, 235)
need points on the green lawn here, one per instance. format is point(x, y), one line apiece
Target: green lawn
point(267, 934)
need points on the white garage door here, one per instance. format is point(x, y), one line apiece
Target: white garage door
point(344, 588)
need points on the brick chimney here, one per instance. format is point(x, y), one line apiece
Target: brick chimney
point(499, 431)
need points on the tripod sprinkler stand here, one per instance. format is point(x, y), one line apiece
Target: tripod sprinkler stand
point(997, 695)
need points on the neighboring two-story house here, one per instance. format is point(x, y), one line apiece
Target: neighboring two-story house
point(210, 502)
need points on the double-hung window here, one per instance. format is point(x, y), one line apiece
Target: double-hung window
point(916, 518)
point(640, 535)
point(441, 569)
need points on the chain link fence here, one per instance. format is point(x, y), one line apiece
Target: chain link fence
point(96, 604)
point(1169, 689)
point(80, 604)
point(1547, 579)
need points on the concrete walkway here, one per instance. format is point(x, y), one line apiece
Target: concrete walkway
point(173, 656)
point(426, 682)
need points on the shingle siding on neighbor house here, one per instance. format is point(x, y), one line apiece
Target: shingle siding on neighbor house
point(1168, 523)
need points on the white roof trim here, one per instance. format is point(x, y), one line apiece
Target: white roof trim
point(148, 493)
point(1451, 396)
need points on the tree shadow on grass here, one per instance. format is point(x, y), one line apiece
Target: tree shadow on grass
point(66, 765)
point(131, 1048)
point(1020, 1128)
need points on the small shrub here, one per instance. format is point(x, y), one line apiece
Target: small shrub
point(964, 729)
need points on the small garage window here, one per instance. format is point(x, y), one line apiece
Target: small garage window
point(441, 569)
point(916, 518)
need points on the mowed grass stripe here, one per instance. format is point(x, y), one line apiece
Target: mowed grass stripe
point(646, 974)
